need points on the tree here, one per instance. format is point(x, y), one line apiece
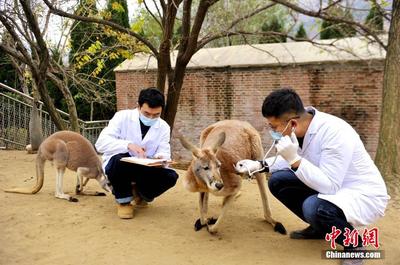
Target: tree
point(301, 32)
point(274, 25)
point(27, 45)
point(82, 37)
point(8, 75)
point(190, 41)
point(119, 12)
point(95, 51)
point(334, 30)
point(388, 153)
point(14, 73)
point(375, 19)
point(82, 34)
point(248, 31)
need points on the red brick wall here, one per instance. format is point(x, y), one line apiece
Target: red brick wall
point(351, 91)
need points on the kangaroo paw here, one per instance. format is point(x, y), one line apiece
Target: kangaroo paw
point(72, 199)
point(280, 228)
point(212, 229)
point(211, 221)
point(97, 193)
point(198, 226)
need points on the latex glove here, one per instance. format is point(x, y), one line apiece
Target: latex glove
point(248, 166)
point(287, 148)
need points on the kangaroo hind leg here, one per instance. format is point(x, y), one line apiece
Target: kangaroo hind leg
point(60, 161)
point(59, 186)
point(278, 227)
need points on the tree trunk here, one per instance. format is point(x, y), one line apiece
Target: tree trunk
point(388, 153)
point(44, 95)
point(164, 56)
point(162, 65)
point(174, 92)
point(69, 100)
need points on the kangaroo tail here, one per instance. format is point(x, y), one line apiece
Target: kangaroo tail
point(39, 178)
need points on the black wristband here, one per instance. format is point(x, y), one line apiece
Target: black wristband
point(265, 165)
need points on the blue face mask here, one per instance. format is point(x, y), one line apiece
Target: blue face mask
point(276, 136)
point(147, 121)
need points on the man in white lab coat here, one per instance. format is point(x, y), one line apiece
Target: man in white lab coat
point(142, 133)
point(322, 172)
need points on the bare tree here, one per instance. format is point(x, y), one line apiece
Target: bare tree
point(29, 47)
point(193, 17)
point(26, 55)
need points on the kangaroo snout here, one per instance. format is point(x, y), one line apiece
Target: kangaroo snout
point(216, 185)
point(219, 185)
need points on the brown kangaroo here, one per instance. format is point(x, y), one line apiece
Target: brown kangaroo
point(70, 150)
point(212, 170)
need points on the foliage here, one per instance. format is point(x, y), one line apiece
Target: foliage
point(215, 21)
point(147, 27)
point(83, 36)
point(119, 12)
point(374, 19)
point(274, 25)
point(332, 30)
point(301, 32)
point(96, 50)
point(8, 75)
point(251, 28)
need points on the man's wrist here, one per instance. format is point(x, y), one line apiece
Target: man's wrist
point(296, 164)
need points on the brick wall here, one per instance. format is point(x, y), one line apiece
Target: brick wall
point(351, 91)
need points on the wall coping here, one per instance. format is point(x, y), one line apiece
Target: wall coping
point(277, 54)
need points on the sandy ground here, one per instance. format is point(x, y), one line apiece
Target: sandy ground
point(40, 229)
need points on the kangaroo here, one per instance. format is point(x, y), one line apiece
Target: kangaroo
point(70, 150)
point(212, 170)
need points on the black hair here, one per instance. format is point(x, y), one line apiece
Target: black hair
point(282, 101)
point(152, 96)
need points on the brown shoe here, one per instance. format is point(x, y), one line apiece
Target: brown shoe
point(125, 211)
point(140, 203)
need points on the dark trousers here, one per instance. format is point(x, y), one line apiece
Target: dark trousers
point(303, 201)
point(150, 181)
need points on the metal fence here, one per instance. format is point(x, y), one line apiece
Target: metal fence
point(15, 113)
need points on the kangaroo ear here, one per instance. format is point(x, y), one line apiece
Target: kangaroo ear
point(189, 146)
point(220, 140)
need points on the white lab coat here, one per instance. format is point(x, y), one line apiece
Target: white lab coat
point(124, 128)
point(336, 164)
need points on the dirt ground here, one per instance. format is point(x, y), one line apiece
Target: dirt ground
point(40, 229)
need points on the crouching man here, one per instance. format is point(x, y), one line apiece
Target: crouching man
point(142, 133)
point(322, 171)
